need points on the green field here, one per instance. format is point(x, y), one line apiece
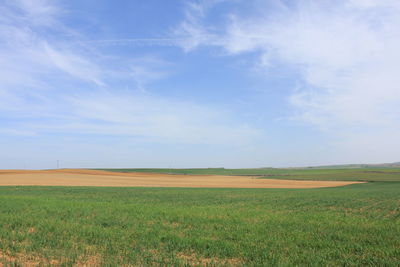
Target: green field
point(356, 225)
point(337, 174)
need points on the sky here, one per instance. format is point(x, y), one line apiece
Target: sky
point(198, 83)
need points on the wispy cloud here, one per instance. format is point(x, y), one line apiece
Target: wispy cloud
point(345, 54)
point(144, 70)
point(58, 84)
point(27, 54)
point(155, 119)
point(193, 32)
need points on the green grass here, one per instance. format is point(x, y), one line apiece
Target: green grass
point(347, 174)
point(357, 225)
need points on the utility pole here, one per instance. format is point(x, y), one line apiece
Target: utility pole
point(58, 164)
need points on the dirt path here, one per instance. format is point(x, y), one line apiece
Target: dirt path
point(81, 177)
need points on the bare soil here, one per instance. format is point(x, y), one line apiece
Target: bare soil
point(83, 177)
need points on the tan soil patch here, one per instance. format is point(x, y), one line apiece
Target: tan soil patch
point(24, 260)
point(82, 177)
point(21, 259)
point(195, 260)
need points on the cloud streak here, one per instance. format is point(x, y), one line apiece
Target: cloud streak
point(54, 84)
point(345, 54)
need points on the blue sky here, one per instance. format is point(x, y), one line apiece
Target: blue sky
point(209, 83)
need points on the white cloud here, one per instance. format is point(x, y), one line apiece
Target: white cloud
point(27, 53)
point(191, 31)
point(346, 54)
point(127, 114)
point(147, 69)
point(152, 118)
point(36, 13)
point(74, 64)
point(55, 84)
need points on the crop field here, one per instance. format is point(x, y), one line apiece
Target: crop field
point(328, 174)
point(79, 177)
point(352, 225)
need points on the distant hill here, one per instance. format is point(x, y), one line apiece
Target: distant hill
point(355, 166)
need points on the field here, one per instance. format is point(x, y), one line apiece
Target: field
point(353, 225)
point(334, 174)
point(78, 177)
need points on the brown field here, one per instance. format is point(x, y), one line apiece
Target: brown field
point(81, 177)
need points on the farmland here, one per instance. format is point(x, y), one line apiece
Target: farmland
point(357, 224)
point(200, 133)
point(79, 177)
point(329, 174)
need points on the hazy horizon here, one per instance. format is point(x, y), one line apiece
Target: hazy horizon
point(58, 165)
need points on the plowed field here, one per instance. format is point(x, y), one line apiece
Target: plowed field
point(83, 177)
